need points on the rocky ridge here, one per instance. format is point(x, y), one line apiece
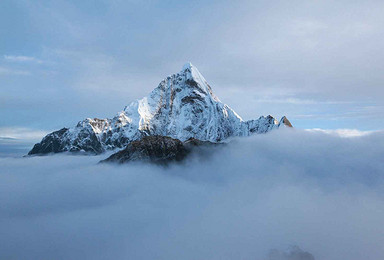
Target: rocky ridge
point(182, 106)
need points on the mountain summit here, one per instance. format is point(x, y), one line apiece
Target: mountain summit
point(182, 106)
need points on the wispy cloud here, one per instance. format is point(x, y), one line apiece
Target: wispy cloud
point(357, 111)
point(300, 101)
point(21, 133)
point(9, 71)
point(13, 58)
point(343, 132)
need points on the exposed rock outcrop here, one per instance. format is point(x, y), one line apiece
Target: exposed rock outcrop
point(156, 149)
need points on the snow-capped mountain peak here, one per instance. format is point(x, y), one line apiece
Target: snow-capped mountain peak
point(187, 66)
point(182, 106)
point(196, 79)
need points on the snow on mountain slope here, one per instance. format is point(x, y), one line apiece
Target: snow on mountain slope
point(182, 106)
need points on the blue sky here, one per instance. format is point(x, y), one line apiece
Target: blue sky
point(317, 62)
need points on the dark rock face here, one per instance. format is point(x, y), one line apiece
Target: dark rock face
point(52, 143)
point(60, 141)
point(193, 142)
point(156, 149)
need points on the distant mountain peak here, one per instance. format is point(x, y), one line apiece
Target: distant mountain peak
point(284, 121)
point(182, 106)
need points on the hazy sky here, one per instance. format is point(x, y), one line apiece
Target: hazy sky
point(318, 62)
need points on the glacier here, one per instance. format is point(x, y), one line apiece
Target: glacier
point(182, 106)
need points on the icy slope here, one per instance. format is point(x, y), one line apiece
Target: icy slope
point(182, 106)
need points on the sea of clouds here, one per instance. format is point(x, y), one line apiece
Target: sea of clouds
point(250, 199)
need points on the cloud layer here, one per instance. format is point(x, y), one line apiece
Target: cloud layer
point(319, 191)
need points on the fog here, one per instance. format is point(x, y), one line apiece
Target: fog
point(316, 190)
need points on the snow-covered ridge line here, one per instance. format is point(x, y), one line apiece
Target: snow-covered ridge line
point(182, 106)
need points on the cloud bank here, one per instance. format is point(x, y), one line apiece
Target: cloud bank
point(290, 187)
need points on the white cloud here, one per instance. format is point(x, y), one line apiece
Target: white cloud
point(319, 191)
point(8, 71)
point(22, 59)
point(299, 101)
point(21, 133)
point(343, 132)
